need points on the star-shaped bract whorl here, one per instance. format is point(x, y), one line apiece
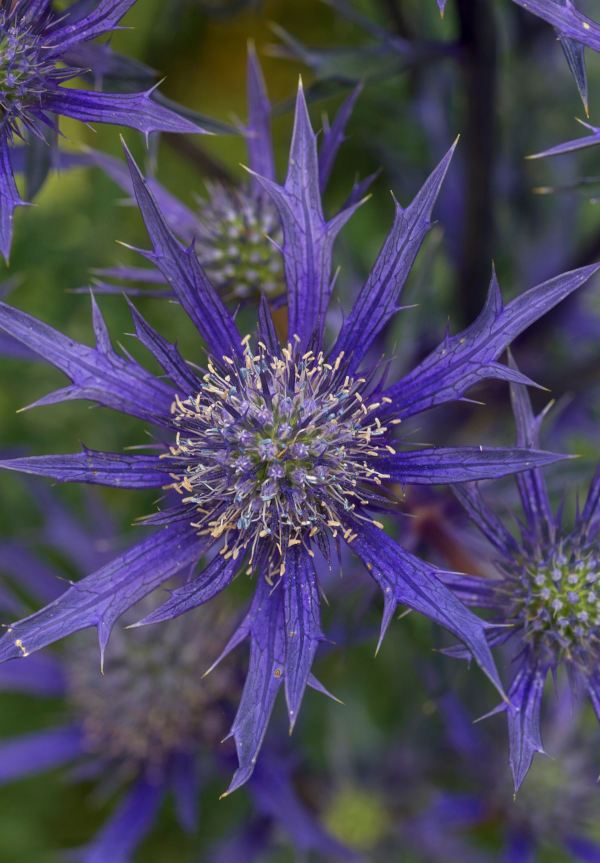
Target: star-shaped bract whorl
point(546, 596)
point(236, 231)
point(277, 452)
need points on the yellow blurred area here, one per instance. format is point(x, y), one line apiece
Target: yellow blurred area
point(358, 818)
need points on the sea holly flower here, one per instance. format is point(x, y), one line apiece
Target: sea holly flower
point(545, 595)
point(150, 726)
point(575, 32)
point(277, 452)
point(236, 231)
point(40, 51)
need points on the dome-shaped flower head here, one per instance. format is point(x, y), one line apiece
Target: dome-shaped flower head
point(277, 452)
point(546, 595)
point(149, 726)
point(236, 231)
point(40, 50)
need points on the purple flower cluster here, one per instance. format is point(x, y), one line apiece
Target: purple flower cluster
point(285, 449)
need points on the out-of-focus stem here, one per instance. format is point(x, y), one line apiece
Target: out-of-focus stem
point(479, 59)
point(394, 10)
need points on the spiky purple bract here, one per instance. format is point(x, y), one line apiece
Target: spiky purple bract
point(575, 31)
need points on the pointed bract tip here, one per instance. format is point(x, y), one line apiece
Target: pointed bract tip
point(586, 125)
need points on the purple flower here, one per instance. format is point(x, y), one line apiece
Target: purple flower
point(269, 510)
point(40, 50)
point(546, 595)
point(150, 725)
point(235, 234)
point(237, 231)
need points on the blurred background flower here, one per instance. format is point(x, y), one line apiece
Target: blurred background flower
point(144, 726)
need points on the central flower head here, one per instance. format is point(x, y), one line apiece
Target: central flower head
point(279, 447)
point(558, 602)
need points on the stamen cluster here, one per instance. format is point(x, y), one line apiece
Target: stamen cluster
point(557, 601)
point(233, 246)
point(151, 700)
point(280, 446)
